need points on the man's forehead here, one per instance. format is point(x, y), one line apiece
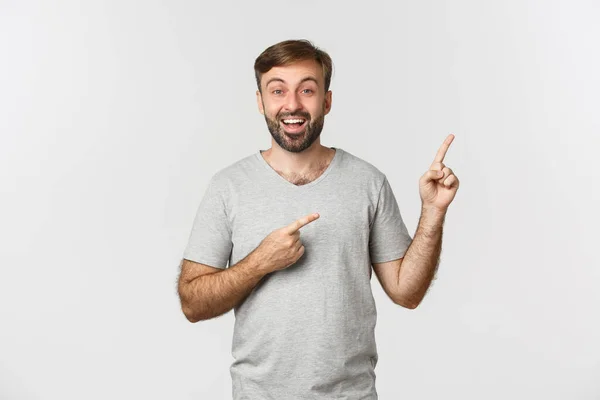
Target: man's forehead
point(295, 73)
point(279, 79)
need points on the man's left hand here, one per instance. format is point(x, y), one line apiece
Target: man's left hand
point(438, 186)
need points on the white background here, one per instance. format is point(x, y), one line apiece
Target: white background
point(115, 114)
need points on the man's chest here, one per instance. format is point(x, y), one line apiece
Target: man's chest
point(344, 222)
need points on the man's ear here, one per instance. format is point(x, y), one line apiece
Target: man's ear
point(259, 102)
point(328, 102)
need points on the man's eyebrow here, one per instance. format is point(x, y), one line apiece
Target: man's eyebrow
point(308, 78)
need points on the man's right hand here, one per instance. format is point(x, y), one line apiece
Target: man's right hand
point(282, 247)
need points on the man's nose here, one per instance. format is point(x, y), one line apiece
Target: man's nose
point(292, 102)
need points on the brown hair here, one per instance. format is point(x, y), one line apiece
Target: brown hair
point(288, 52)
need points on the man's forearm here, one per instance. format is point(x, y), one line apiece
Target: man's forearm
point(421, 260)
point(211, 295)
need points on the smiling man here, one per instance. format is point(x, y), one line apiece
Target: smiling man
point(295, 121)
point(294, 101)
point(288, 238)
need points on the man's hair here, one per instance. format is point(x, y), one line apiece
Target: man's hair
point(289, 52)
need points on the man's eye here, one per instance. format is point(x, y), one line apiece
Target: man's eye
point(277, 91)
point(309, 90)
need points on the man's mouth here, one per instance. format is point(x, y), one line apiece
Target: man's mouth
point(293, 125)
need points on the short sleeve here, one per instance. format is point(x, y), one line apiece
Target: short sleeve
point(388, 239)
point(210, 240)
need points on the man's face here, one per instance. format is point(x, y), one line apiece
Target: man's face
point(294, 104)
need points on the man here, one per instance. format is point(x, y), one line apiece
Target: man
point(301, 225)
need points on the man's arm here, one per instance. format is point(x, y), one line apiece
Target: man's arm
point(421, 260)
point(212, 294)
point(416, 270)
point(407, 279)
point(215, 293)
point(437, 188)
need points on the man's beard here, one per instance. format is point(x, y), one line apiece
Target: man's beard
point(312, 131)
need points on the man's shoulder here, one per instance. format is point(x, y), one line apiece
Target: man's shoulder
point(235, 168)
point(361, 168)
point(226, 178)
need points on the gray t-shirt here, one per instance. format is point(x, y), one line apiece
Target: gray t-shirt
point(305, 332)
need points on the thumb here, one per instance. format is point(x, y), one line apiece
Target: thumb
point(431, 175)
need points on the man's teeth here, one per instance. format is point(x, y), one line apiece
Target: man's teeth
point(293, 121)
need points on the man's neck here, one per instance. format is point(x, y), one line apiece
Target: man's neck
point(315, 158)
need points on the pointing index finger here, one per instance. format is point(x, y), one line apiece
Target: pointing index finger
point(439, 157)
point(299, 223)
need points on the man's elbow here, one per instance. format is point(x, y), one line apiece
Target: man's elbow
point(190, 315)
point(411, 304)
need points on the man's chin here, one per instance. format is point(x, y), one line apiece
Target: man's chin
point(294, 135)
point(293, 142)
